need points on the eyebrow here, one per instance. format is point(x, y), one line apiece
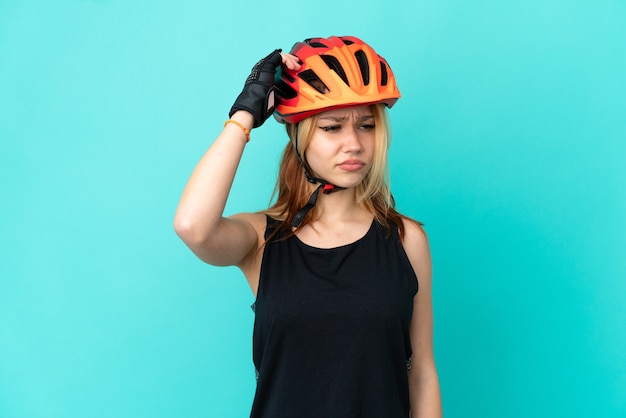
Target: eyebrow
point(343, 118)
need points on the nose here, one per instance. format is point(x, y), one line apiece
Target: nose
point(352, 140)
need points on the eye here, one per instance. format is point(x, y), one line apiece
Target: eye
point(367, 126)
point(330, 128)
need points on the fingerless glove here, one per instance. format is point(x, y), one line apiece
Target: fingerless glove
point(257, 96)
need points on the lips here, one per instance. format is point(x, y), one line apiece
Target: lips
point(351, 165)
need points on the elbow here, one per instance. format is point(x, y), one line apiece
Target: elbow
point(202, 242)
point(181, 227)
point(190, 232)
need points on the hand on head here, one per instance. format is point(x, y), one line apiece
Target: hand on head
point(257, 96)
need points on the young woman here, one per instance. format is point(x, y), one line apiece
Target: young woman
point(341, 329)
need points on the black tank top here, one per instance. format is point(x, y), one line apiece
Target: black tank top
point(331, 331)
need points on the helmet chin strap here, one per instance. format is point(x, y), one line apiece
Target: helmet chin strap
point(325, 187)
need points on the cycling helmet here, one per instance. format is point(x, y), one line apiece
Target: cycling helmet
point(335, 72)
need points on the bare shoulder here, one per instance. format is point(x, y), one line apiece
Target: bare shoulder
point(255, 221)
point(415, 243)
point(250, 265)
point(414, 235)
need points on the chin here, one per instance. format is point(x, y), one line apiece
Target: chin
point(348, 184)
point(344, 180)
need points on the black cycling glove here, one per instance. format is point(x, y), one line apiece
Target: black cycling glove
point(257, 96)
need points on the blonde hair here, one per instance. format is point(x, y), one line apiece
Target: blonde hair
point(373, 194)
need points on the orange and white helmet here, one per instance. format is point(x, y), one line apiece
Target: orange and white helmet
point(335, 72)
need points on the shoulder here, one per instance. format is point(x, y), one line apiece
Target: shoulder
point(414, 233)
point(255, 222)
point(415, 243)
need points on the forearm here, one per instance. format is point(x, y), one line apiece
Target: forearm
point(201, 206)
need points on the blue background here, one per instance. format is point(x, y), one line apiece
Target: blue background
point(509, 144)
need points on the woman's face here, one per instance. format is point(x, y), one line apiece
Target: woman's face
point(341, 149)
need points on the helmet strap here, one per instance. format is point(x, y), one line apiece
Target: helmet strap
point(325, 186)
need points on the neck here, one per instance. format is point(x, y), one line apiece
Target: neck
point(340, 206)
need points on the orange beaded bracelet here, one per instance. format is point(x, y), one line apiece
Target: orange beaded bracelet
point(246, 131)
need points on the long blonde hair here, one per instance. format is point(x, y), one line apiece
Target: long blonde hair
point(373, 194)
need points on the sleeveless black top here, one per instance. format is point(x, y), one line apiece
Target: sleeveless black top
point(331, 331)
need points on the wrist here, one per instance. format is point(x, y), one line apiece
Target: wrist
point(243, 117)
point(245, 131)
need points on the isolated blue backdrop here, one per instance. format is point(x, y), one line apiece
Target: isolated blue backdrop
point(509, 144)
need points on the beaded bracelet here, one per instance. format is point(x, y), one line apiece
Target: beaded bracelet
point(246, 131)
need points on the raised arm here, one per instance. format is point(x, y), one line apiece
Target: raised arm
point(199, 219)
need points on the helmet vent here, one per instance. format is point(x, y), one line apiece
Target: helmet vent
point(315, 44)
point(361, 58)
point(314, 81)
point(333, 64)
point(286, 74)
point(383, 74)
point(347, 41)
point(284, 90)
